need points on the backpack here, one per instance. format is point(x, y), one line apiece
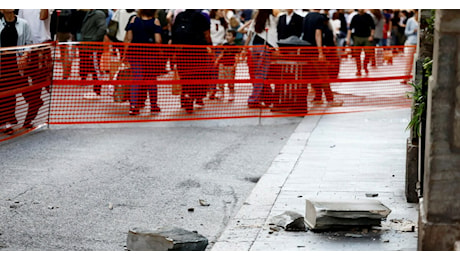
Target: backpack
point(183, 31)
point(65, 22)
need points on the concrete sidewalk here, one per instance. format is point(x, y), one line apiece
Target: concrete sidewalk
point(336, 157)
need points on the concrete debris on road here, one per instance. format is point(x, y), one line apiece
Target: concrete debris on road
point(403, 225)
point(165, 239)
point(322, 215)
point(371, 195)
point(289, 221)
point(204, 203)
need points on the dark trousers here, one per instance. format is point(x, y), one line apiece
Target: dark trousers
point(193, 64)
point(40, 72)
point(321, 71)
point(10, 79)
point(89, 64)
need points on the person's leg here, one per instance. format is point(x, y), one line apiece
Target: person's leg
point(356, 53)
point(151, 73)
point(96, 55)
point(65, 54)
point(153, 96)
point(34, 101)
point(368, 54)
point(135, 88)
point(7, 113)
point(256, 72)
point(231, 86)
point(317, 69)
point(85, 62)
point(183, 68)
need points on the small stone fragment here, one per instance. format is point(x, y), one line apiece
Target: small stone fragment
point(191, 209)
point(204, 203)
point(371, 195)
point(353, 235)
point(289, 221)
point(275, 228)
point(110, 205)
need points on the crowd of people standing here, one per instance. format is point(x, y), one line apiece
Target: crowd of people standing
point(217, 27)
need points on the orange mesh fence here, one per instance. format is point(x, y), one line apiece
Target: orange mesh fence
point(117, 82)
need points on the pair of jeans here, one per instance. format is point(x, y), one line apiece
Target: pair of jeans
point(259, 65)
point(142, 69)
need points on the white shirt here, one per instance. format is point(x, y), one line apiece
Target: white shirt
point(23, 29)
point(121, 16)
point(336, 26)
point(289, 17)
point(217, 32)
point(40, 28)
point(271, 36)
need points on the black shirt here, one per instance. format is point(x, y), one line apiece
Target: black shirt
point(9, 34)
point(362, 24)
point(293, 28)
point(312, 22)
point(193, 25)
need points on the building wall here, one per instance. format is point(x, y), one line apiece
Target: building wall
point(439, 222)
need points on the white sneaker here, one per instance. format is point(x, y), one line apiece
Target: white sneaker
point(5, 126)
point(92, 96)
point(317, 102)
point(219, 94)
point(335, 103)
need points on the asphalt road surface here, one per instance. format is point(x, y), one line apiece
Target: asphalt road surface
point(84, 187)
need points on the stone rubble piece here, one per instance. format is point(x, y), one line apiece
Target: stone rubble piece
point(403, 225)
point(289, 221)
point(165, 239)
point(204, 203)
point(371, 195)
point(323, 214)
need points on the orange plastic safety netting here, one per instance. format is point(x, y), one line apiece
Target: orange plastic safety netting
point(118, 82)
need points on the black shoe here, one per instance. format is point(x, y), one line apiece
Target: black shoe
point(212, 96)
point(7, 128)
point(133, 111)
point(28, 125)
point(300, 111)
point(8, 131)
point(187, 103)
point(155, 109)
point(254, 105)
point(200, 102)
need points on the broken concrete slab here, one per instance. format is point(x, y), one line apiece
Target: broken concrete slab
point(165, 239)
point(321, 215)
point(289, 221)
